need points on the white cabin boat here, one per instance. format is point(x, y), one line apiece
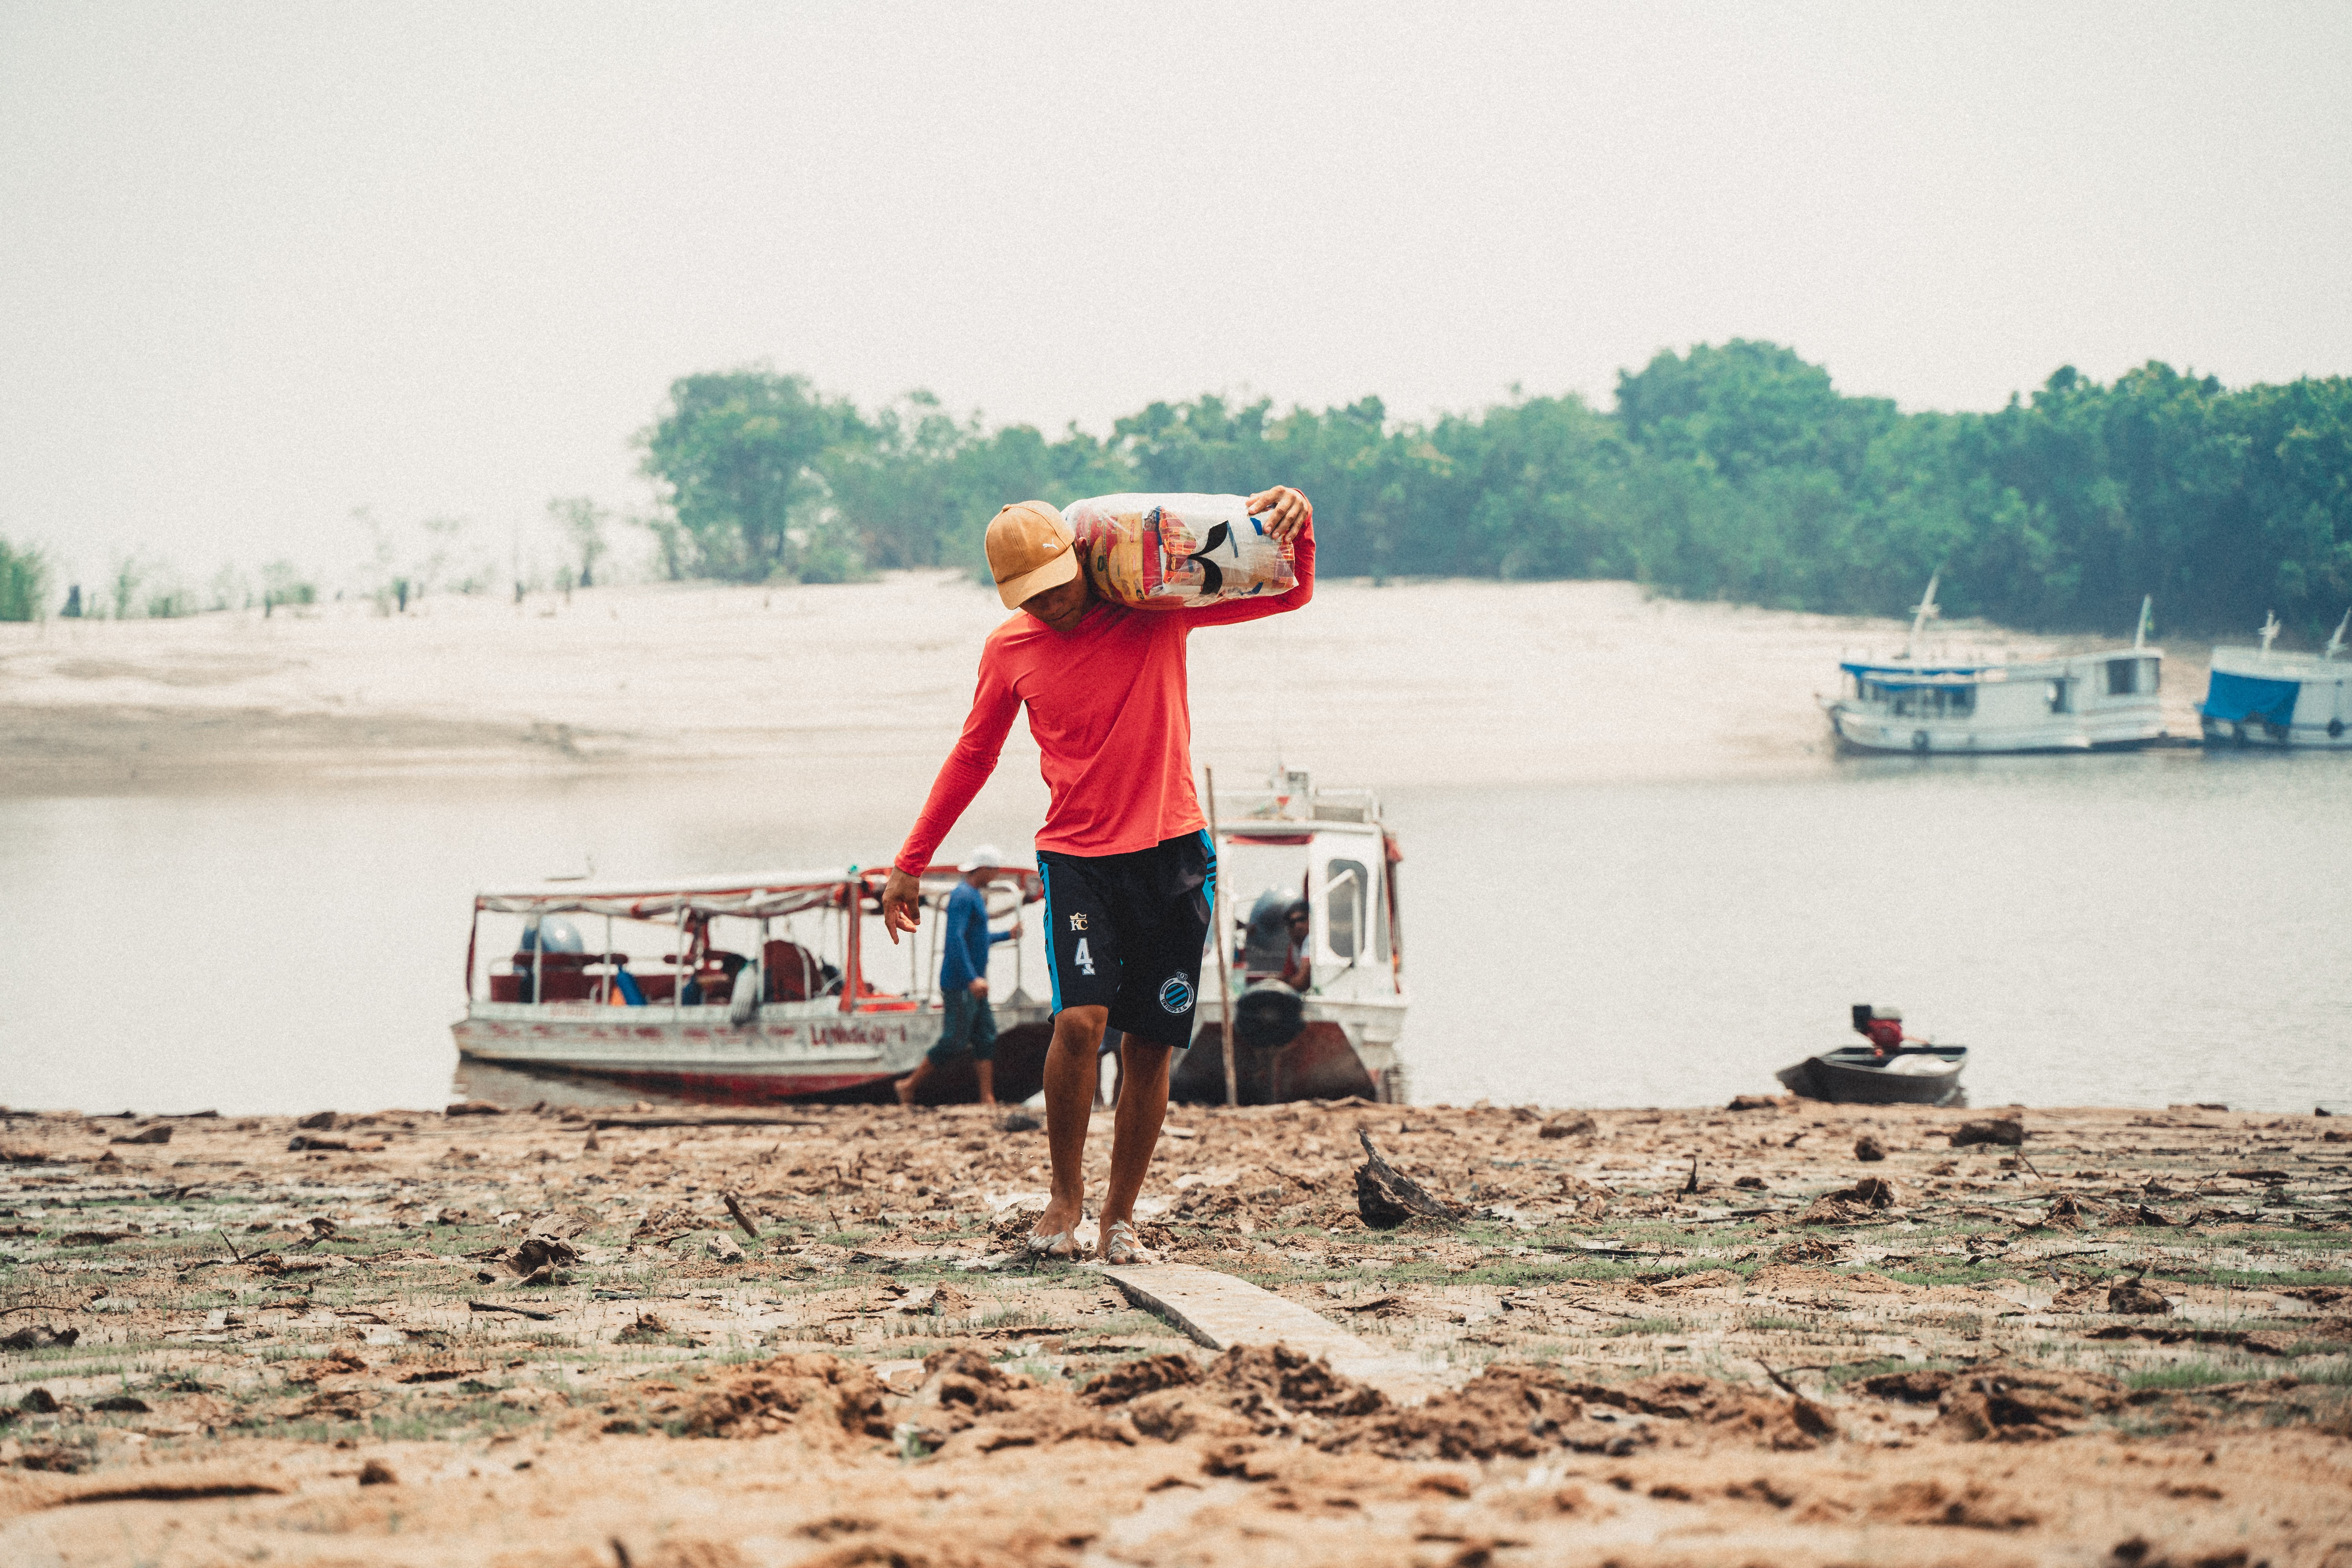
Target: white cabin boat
point(2258, 697)
point(761, 991)
point(2072, 702)
point(1338, 1036)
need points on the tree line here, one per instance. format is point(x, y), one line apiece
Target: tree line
point(1736, 472)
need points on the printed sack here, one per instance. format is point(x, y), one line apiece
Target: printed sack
point(1177, 552)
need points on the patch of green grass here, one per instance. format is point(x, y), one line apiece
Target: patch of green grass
point(1766, 1323)
point(851, 1237)
point(1960, 1274)
point(1642, 1326)
point(2183, 1374)
point(1016, 1317)
point(1838, 1376)
point(2251, 1279)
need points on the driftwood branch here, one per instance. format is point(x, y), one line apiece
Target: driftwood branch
point(1386, 1197)
point(735, 1207)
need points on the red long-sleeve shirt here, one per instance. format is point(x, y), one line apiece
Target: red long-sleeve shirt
point(1110, 709)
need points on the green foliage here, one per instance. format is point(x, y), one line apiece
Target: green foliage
point(284, 584)
point(1734, 472)
point(738, 455)
point(24, 582)
point(584, 521)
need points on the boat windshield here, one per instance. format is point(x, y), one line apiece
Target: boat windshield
point(1909, 700)
point(1333, 877)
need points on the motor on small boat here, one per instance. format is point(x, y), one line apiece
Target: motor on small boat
point(1893, 1070)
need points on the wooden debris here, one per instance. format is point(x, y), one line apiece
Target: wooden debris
point(1386, 1197)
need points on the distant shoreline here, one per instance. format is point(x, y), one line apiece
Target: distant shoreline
point(1555, 682)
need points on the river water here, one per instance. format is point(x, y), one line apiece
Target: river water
point(1608, 899)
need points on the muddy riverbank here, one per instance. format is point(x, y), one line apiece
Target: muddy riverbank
point(1713, 1336)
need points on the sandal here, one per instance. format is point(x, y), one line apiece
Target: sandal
point(1119, 1248)
point(1060, 1246)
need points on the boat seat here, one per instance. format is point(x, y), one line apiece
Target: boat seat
point(792, 971)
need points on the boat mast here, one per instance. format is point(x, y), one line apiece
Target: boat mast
point(2336, 639)
point(2140, 637)
point(2270, 631)
point(1923, 612)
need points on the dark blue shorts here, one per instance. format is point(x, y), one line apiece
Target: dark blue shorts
point(1126, 933)
point(968, 1026)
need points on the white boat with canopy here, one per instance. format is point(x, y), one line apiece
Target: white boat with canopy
point(2072, 702)
point(760, 989)
point(2256, 697)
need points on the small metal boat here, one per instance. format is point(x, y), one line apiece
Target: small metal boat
point(1857, 1075)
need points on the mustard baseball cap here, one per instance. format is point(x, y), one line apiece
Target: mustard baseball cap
point(1029, 551)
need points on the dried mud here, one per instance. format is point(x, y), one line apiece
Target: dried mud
point(1788, 1334)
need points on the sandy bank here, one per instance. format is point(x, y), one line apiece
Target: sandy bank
point(320, 1343)
point(1416, 683)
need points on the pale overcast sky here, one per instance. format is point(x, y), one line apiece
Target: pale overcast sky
point(259, 265)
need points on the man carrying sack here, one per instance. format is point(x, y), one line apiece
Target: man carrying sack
point(1130, 873)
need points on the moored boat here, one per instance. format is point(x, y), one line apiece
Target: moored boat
point(1856, 1075)
point(2255, 697)
point(2071, 702)
point(761, 991)
point(1319, 1005)
point(1894, 1068)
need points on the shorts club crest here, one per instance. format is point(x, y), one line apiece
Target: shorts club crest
point(1176, 996)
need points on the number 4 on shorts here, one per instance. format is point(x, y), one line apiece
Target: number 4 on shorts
point(1082, 958)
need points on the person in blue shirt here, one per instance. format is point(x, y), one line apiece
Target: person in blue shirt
point(969, 1025)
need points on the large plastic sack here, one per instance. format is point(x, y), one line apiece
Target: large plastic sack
point(1177, 552)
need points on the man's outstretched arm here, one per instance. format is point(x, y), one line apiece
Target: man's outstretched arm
point(966, 768)
point(1290, 519)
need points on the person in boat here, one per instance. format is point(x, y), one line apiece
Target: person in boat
point(1882, 1026)
point(966, 1025)
point(1125, 855)
point(1264, 945)
point(1297, 963)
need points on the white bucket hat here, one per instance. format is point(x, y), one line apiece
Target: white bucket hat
point(981, 854)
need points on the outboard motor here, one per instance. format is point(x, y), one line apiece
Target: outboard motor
point(1881, 1026)
point(1268, 1017)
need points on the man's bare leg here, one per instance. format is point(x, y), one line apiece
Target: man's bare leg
point(907, 1086)
point(1072, 1071)
point(987, 1070)
point(1142, 1107)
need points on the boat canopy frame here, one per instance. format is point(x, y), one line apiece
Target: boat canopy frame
point(765, 896)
